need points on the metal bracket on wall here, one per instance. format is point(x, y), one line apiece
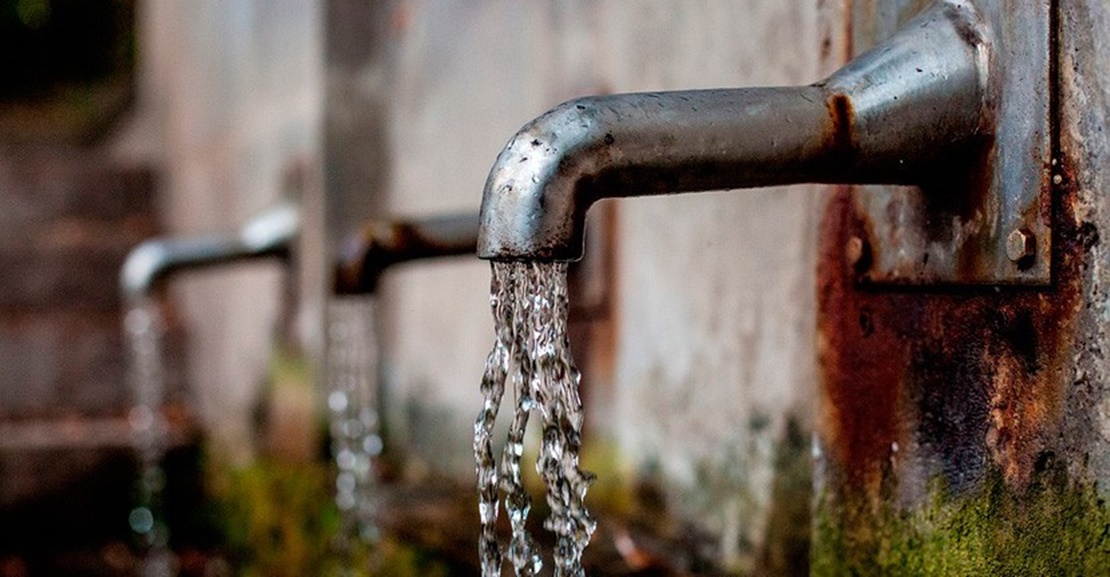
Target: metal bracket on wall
point(988, 222)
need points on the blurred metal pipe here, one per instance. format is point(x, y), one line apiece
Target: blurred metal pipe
point(268, 235)
point(381, 244)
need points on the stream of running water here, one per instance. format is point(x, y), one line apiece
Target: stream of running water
point(144, 329)
point(352, 398)
point(531, 353)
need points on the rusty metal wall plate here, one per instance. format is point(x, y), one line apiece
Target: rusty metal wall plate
point(989, 222)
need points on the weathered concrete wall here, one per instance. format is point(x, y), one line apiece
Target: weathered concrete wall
point(715, 291)
point(712, 315)
point(467, 75)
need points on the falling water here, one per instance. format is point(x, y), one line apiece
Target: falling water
point(531, 351)
point(143, 326)
point(352, 365)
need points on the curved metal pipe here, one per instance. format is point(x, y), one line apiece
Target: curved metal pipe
point(379, 245)
point(891, 116)
point(267, 235)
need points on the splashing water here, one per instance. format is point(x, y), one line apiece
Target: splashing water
point(144, 329)
point(351, 372)
point(531, 350)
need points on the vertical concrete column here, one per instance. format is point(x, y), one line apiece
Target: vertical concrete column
point(234, 87)
point(351, 183)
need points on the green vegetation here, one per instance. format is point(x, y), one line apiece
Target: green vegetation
point(1052, 528)
point(277, 516)
point(279, 519)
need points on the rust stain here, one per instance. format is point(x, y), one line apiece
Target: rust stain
point(1015, 408)
point(350, 264)
point(842, 115)
point(861, 356)
point(840, 137)
point(365, 255)
point(972, 379)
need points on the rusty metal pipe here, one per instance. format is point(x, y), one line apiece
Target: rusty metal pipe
point(379, 245)
point(895, 115)
point(268, 235)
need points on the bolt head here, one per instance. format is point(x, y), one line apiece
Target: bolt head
point(1020, 245)
point(854, 251)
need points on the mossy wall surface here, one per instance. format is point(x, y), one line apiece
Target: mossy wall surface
point(1049, 529)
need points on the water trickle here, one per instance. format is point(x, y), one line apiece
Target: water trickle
point(144, 329)
point(352, 398)
point(532, 352)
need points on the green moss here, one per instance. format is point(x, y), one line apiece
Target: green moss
point(290, 369)
point(1052, 528)
point(280, 519)
point(787, 540)
point(277, 518)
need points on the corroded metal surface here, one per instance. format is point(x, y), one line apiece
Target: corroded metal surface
point(938, 371)
point(964, 429)
point(951, 401)
point(955, 229)
point(963, 364)
point(379, 245)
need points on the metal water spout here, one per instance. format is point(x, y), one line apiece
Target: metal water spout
point(923, 108)
point(381, 244)
point(268, 235)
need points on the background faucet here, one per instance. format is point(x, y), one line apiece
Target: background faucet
point(380, 244)
point(268, 235)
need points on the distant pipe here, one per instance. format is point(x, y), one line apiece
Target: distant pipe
point(268, 235)
point(380, 244)
point(903, 113)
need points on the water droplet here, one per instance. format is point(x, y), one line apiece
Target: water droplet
point(337, 401)
point(351, 377)
point(141, 520)
point(345, 482)
point(372, 445)
point(345, 501)
point(143, 331)
point(345, 459)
